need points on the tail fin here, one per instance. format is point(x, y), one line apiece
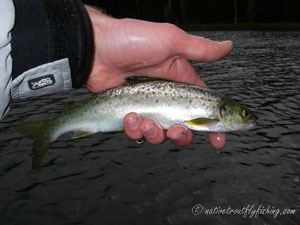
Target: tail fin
point(36, 131)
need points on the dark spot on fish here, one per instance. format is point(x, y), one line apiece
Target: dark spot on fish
point(153, 92)
point(190, 101)
point(147, 96)
point(156, 100)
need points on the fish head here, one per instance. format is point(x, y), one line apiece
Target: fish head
point(234, 116)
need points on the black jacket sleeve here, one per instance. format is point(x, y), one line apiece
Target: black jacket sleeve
point(46, 31)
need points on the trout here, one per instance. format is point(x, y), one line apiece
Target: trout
point(167, 102)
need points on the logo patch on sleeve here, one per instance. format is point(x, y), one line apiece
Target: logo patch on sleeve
point(41, 82)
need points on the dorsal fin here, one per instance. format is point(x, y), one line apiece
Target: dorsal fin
point(141, 79)
point(67, 106)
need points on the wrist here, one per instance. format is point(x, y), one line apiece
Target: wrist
point(98, 19)
point(100, 24)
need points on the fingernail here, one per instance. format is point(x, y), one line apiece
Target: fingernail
point(149, 130)
point(178, 137)
point(225, 42)
point(133, 123)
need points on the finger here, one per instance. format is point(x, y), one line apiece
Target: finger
point(201, 49)
point(131, 124)
point(152, 132)
point(180, 135)
point(217, 140)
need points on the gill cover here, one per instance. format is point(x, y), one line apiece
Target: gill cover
point(235, 116)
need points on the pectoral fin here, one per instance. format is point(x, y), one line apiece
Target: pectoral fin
point(121, 129)
point(199, 122)
point(81, 133)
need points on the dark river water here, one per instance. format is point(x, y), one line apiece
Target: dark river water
point(110, 179)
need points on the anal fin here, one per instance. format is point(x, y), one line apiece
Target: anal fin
point(81, 133)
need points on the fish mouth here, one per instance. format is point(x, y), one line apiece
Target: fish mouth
point(249, 126)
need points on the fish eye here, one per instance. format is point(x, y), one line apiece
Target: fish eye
point(245, 114)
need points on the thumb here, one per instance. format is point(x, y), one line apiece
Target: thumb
point(203, 50)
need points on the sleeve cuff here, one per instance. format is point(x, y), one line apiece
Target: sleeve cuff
point(47, 32)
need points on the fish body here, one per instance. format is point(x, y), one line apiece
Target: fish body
point(167, 102)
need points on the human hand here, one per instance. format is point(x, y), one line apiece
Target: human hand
point(128, 47)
